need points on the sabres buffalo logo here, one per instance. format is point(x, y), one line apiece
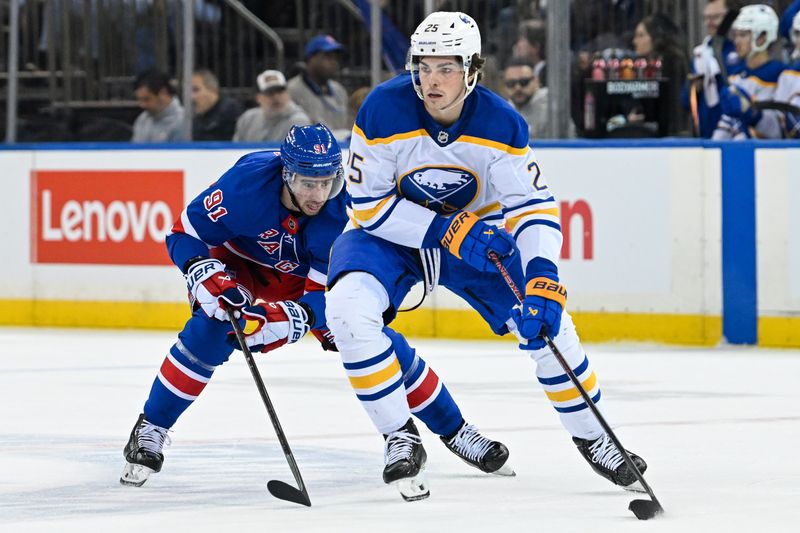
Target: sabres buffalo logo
point(441, 189)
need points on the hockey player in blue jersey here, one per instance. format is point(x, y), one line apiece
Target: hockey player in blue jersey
point(437, 164)
point(259, 239)
point(754, 31)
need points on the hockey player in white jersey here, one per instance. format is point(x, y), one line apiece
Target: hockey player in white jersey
point(438, 164)
point(788, 89)
point(754, 31)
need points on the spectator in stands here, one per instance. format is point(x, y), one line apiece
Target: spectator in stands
point(530, 45)
point(276, 112)
point(522, 88)
point(161, 119)
point(713, 61)
point(315, 90)
point(214, 115)
point(656, 37)
point(356, 99)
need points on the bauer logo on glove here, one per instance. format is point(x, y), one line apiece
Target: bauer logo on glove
point(271, 325)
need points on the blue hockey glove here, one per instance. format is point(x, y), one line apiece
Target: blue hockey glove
point(545, 299)
point(466, 237)
point(736, 102)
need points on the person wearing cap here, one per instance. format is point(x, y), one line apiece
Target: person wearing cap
point(276, 112)
point(214, 115)
point(324, 99)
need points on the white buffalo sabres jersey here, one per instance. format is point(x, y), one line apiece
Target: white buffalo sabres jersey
point(759, 84)
point(788, 92)
point(405, 169)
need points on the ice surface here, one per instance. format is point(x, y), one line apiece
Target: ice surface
point(718, 427)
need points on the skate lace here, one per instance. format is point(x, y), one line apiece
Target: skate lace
point(605, 453)
point(152, 438)
point(399, 445)
point(471, 444)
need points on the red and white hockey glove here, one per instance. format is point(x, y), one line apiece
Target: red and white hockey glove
point(271, 325)
point(325, 338)
point(209, 285)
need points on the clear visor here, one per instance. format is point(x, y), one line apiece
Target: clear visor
point(324, 186)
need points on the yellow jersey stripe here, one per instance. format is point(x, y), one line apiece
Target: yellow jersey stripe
point(512, 222)
point(376, 378)
point(366, 214)
point(487, 209)
point(493, 144)
point(571, 394)
point(391, 138)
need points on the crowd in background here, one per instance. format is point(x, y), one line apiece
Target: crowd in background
point(699, 88)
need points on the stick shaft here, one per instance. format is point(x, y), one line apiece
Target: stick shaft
point(585, 395)
point(262, 390)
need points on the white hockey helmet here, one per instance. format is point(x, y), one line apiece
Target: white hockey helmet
point(794, 32)
point(445, 33)
point(758, 19)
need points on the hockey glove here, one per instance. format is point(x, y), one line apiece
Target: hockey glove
point(271, 325)
point(209, 285)
point(735, 102)
point(466, 237)
point(325, 338)
point(544, 302)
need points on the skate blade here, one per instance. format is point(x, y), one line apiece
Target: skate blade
point(505, 470)
point(135, 475)
point(635, 487)
point(413, 489)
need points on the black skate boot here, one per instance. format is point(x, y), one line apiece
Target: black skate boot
point(474, 449)
point(606, 460)
point(143, 452)
point(405, 462)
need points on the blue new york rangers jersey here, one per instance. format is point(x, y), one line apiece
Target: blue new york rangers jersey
point(242, 211)
point(405, 169)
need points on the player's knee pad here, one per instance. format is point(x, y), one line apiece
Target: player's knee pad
point(354, 309)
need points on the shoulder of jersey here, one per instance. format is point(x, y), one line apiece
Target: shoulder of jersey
point(770, 71)
point(254, 171)
point(496, 121)
point(389, 109)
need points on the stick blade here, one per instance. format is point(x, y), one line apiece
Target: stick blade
point(284, 491)
point(645, 509)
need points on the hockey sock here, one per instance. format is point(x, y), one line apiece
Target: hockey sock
point(575, 415)
point(428, 398)
point(180, 380)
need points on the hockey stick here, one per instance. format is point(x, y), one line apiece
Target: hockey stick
point(643, 509)
point(279, 489)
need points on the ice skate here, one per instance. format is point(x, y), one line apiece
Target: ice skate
point(606, 460)
point(143, 452)
point(484, 454)
point(405, 463)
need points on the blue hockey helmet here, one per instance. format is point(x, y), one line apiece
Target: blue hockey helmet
point(312, 152)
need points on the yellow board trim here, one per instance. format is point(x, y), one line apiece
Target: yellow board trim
point(425, 322)
point(376, 378)
point(571, 394)
point(779, 331)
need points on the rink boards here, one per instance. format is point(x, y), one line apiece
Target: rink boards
point(669, 241)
